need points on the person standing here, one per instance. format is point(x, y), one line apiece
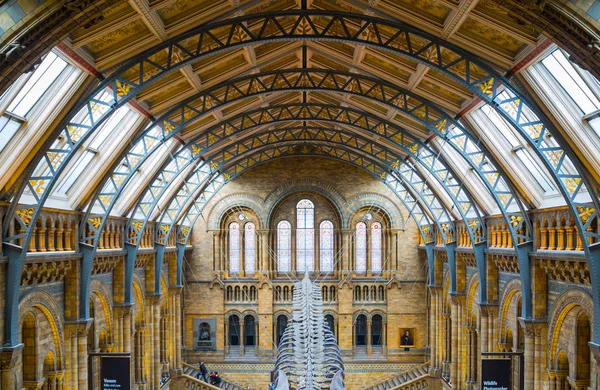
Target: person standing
point(203, 371)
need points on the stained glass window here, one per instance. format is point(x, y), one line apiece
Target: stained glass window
point(284, 247)
point(249, 248)
point(305, 239)
point(234, 247)
point(376, 247)
point(361, 247)
point(326, 246)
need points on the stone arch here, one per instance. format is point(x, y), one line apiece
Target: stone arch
point(376, 312)
point(44, 302)
point(100, 290)
point(49, 363)
point(318, 187)
point(138, 299)
point(471, 304)
point(561, 308)
point(387, 207)
point(254, 203)
point(511, 290)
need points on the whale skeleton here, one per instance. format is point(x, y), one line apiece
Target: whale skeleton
point(308, 357)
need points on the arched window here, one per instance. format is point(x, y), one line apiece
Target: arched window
point(331, 322)
point(305, 236)
point(361, 247)
point(234, 330)
point(284, 247)
point(249, 331)
point(282, 322)
point(361, 330)
point(249, 248)
point(376, 247)
point(376, 330)
point(326, 246)
point(234, 247)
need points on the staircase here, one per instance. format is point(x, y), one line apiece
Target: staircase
point(408, 379)
point(192, 371)
point(191, 383)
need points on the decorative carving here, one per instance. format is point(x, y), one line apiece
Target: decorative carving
point(44, 272)
point(103, 265)
point(8, 359)
point(506, 262)
point(567, 270)
point(142, 259)
point(457, 298)
point(468, 259)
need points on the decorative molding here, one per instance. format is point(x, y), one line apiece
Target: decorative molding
point(37, 272)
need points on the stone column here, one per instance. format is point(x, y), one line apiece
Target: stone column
point(74, 382)
point(156, 346)
point(8, 366)
point(469, 351)
point(540, 354)
point(60, 380)
point(264, 253)
point(439, 330)
point(51, 380)
point(369, 345)
point(178, 330)
point(529, 353)
point(82, 356)
point(226, 337)
point(433, 327)
point(445, 344)
point(242, 349)
point(455, 360)
point(346, 251)
point(384, 346)
point(551, 380)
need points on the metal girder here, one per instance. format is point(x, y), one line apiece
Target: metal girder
point(429, 115)
point(248, 121)
point(192, 109)
point(245, 122)
point(349, 141)
point(355, 148)
point(148, 67)
point(233, 169)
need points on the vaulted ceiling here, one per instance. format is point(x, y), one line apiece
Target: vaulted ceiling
point(479, 27)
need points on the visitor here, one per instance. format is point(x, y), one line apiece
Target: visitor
point(218, 380)
point(202, 371)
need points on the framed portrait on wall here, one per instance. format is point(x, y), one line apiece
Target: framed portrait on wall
point(407, 337)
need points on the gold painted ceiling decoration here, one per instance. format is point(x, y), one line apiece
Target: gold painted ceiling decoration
point(137, 25)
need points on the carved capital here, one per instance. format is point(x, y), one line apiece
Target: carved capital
point(457, 298)
point(153, 299)
point(9, 357)
point(578, 384)
point(532, 328)
point(595, 349)
point(78, 328)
